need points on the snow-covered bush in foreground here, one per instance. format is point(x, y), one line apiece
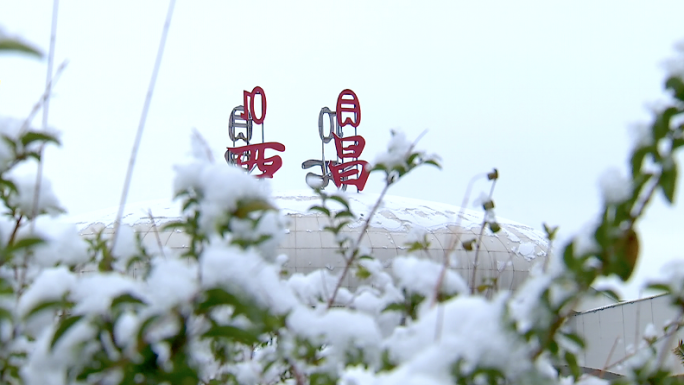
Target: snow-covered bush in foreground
point(222, 312)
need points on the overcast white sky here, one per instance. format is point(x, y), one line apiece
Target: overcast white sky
point(543, 90)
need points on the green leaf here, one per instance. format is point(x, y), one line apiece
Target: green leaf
point(341, 200)
point(33, 136)
point(495, 227)
point(337, 228)
point(25, 243)
point(64, 326)
point(434, 163)
point(677, 142)
point(126, 298)
point(322, 209)
point(571, 360)
point(59, 304)
point(344, 213)
point(610, 293)
point(9, 184)
point(247, 207)
point(668, 182)
point(469, 245)
point(415, 246)
point(658, 287)
point(637, 160)
point(661, 126)
point(362, 273)
point(173, 225)
point(5, 314)
point(397, 306)
point(677, 86)
point(217, 297)
point(18, 46)
point(240, 335)
point(550, 231)
point(575, 338)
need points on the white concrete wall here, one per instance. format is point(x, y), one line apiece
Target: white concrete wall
point(613, 332)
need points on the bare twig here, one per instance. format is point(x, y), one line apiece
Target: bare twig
point(479, 241)
point(549, 249)
point(669, 335)
point(455, 240)
point(141, 124)
point(15, 230)
point(43, 97)
point(203, 142)
point(156, 233)
point(46, 110)
point(366, 224)
point(610, 354)
point(357, 243)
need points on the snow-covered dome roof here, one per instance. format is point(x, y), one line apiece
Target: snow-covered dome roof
point(508, 254)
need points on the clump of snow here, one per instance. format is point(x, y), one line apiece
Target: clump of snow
point(172, 282)
point(421, 275)
point(398, 150)
point(584, 242)
point(317, 286)
point(672, 274)
point(525, 305)
point(650, 332)
point(342, 329)
point(675, 65)
point(511, 237)
point(245, 273)
point(221, 189)
point(641, 134)
point(615, 186)
point(94, 293)
point(478, 339)
point(526, 249)
point(25, 197)
point(125, 247)
point(51, 285)
point(62, 243)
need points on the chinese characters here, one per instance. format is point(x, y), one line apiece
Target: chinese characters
point(252, 156)
point(347, 169)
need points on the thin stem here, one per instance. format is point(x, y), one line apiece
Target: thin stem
point(479, 241)
point(549, 248)
point(610, 355)
point(16, 229)
point(46, 110)
point(143, 118)
point(156, 234)
point(674, 328)
point(455, 240)
point(356, 244)
point(43, 97)
point(666, 347)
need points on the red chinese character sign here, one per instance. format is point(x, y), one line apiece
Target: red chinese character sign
point(252, 156)
point(347, 169)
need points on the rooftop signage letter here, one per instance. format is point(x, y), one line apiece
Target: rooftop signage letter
point(343, 173)
point(252, 156)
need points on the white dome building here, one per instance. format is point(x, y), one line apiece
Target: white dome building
point(610, 328)
point(507, 255)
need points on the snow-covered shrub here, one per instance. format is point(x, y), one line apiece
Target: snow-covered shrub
point(221, 312)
